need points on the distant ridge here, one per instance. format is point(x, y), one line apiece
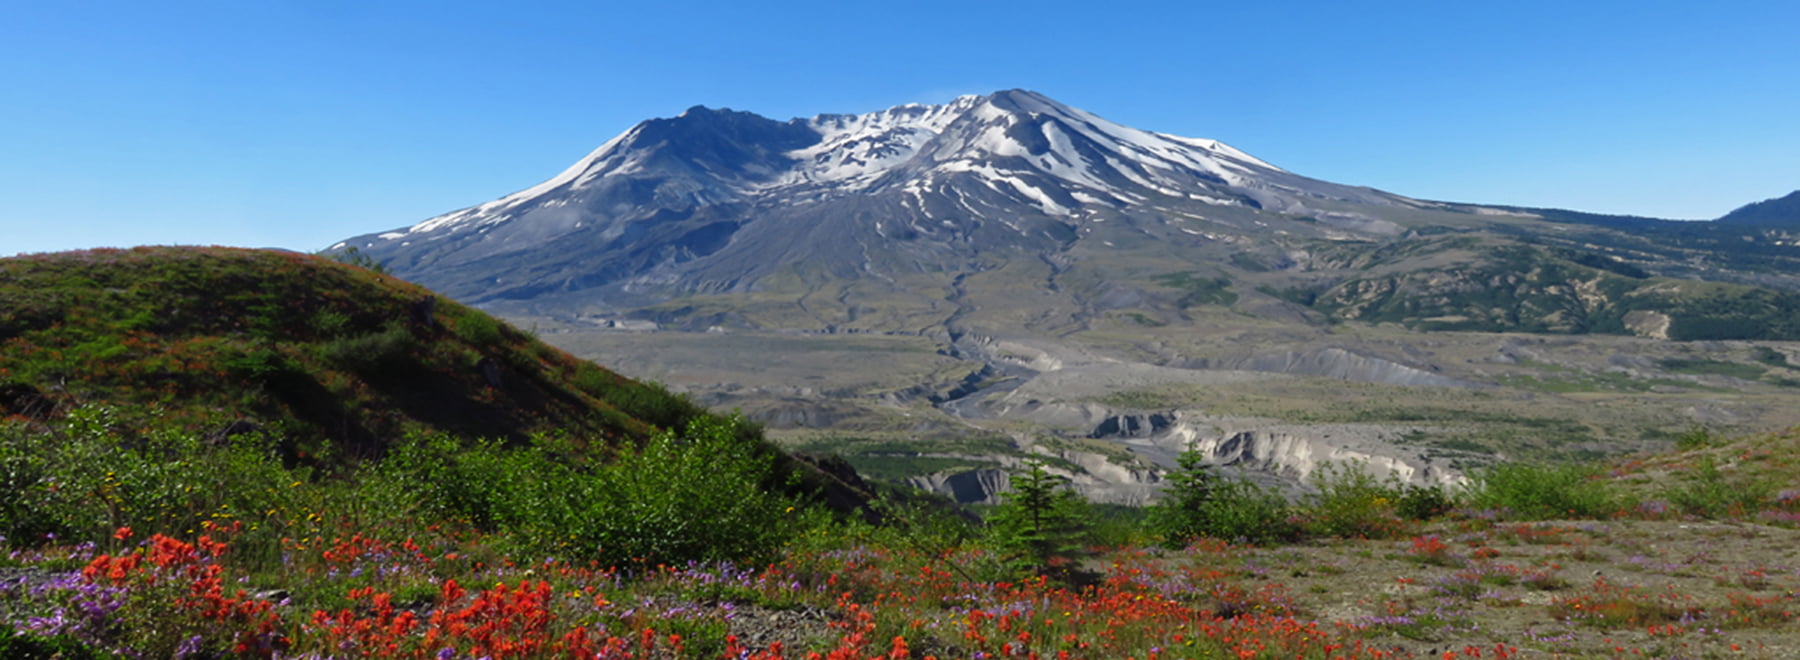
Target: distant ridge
point(1778, 212)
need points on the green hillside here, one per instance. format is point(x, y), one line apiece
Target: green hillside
point(218, 340)
point(162, 389)
point(1526, 288)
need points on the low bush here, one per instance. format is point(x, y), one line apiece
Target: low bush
point(21, 646)
point(372, 351)
point(1198, 503)
point(1708, 494)
point(1350, 502)
point(1531, 491)
point(1424, 502)
point(709, 493)
point(700, 495)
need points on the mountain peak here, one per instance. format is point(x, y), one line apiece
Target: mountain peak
point(1014, 166)
point(1023, 100)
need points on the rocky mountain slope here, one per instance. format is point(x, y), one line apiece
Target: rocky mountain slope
point(910, 201)
point(716, 200)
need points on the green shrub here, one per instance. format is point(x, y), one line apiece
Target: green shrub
point(480, 329)
point(1707, 494)
point(1424, 502)
point(911, 518)
point(330, 323)
point(1198, 504)
point(1352, 503)
point(648, 401)
point(81, 480)
point(354, 257)
point(372, 351)
point(710, 493)
point(701, 495)
point(1118, 525)
point(1243, 511)
point(1694, 438)
point(1532, 491)
point(25, 482)
point(266, 363)
point(16, 645)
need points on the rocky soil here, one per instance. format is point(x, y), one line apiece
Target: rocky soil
point(1557, 589)
point(1665, 589)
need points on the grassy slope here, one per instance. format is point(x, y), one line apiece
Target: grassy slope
point(329, 353)
point(138, 384)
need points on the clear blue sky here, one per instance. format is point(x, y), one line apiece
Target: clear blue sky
point(283, 123)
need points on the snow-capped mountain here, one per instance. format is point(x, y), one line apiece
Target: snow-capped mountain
point(716, 200)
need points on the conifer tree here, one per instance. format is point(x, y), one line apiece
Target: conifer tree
point(1182, 514)
point(1040, 519)
point(1199, 503)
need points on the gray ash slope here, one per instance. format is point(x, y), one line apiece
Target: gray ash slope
point(906, 200)
point(715, 200)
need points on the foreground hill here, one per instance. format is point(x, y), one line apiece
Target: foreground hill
point(162, 389)
point(331, 359)
point(228, 340)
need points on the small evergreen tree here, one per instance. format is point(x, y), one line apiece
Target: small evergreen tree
point(1041, 519)
point(1198, 503)
point(1181, 514)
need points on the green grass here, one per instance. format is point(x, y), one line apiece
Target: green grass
point(1713, 368)
point(1142, 400)
point(1559, 379)
point(1199, 290)
point(1437, 295)
point(1771, 357)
